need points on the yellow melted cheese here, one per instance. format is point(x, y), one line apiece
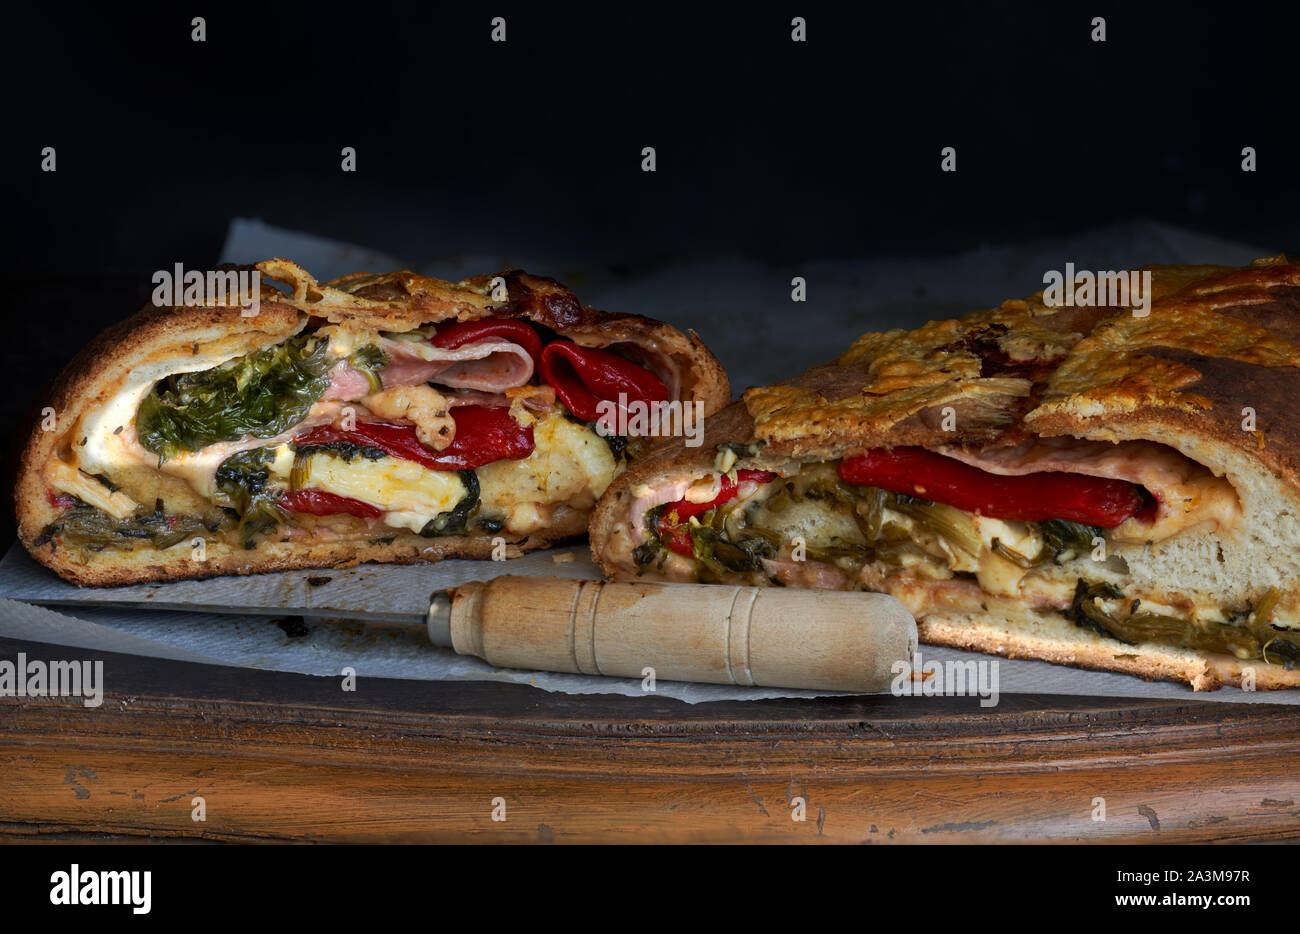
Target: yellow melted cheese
point(408, 493)
point(571, 464)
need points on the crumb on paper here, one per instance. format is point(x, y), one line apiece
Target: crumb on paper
point(564, 557)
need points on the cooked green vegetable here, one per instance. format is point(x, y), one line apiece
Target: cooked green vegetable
point(262, 518)
point(452, 523)
point(646, 553)
point(490, 526)
point(720, 556)
point(262, 394)
point(870, 504)
point(245, 481)
point(84, 526)
point(651, 521)
point(1282, 650)
point(244, 476)
point(1266, 607)
point(1084, 610)
point(1067, 540)
point(347, 450)
point(1015, 557)
point(871, 510)
point(947, 522)
point(1247, 636)
point(1208, 636)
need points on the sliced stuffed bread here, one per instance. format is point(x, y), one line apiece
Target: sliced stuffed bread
point(372, 418)
point(1106, 487)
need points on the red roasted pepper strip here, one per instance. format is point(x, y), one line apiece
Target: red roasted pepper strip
point(320, 503)
point(583, 377)
point(451, 336)
point(483, 435)
point(672, 525)
point(1034, 497)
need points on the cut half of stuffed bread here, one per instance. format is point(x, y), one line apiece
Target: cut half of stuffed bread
point(389, 417)
point(1092, 486)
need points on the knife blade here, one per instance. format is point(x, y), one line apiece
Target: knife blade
point(382, 593)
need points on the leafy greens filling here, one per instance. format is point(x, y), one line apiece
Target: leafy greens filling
point(262, 394)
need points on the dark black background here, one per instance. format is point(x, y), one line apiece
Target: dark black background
point(766, 148)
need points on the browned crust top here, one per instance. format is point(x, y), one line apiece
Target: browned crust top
point(1216, 340)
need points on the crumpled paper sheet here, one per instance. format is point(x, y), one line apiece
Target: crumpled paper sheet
point(743, 311)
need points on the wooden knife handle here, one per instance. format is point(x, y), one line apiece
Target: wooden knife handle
point(686, 632)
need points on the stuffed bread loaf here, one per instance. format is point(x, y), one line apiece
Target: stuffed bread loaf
point(386, 417)
point(1093, 486)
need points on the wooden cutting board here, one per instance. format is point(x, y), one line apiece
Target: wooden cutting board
point(294, 758)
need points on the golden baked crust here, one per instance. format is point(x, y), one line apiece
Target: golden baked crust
point(398, 301)
point(1219, 348)
point(1053, 638)
point(1029, 367)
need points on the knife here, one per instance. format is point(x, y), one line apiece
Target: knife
point(557, 617)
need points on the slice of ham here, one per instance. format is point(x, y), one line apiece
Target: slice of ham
point(488, 366)
point(501, 366)
point(491, 366)
point(1135, 461)
point(1188, 493)
point(347, 384)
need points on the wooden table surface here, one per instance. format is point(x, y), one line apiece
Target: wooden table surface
point(283, 757)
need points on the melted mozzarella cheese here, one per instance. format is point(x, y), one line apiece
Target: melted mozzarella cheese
point(570, 464)
point(282, 456)
point(1183, 506)
point(106, 439)
point(408, 493)
point(816, 521)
